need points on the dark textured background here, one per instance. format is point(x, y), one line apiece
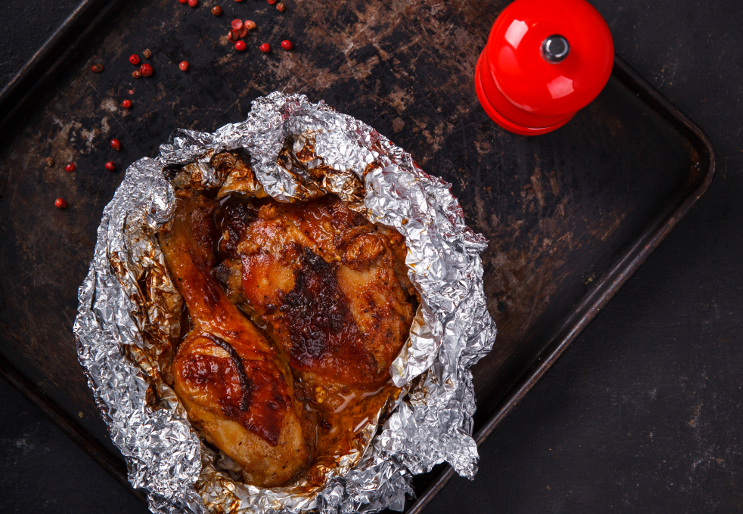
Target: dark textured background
point(643, 413)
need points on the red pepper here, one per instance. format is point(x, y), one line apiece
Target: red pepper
point(183, 66)
point(134, 59)
point(265, 47)
point(126, 104)
point(96, 68)
point(70, 167)
point(145, 70)
point(240, 46)
point(110, 166)
point(287, 45)
point(60, 203)
point(116, 145)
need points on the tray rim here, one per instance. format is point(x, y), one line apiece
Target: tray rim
point(64, 42)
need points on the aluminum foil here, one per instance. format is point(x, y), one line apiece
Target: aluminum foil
point(129, 313)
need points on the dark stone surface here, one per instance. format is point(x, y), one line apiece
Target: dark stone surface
point(643, 412)
point(42, 470)
point(25, 27)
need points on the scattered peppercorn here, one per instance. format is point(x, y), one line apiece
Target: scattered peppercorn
point(239, 28)
point(216, 10)
point(136, 74)
point(116, 145)
point(131, 91)
point(232, 37)
point(147, 53)
point(287, 45)
point(281, 7)
point(271, 2)
point(134, 59)
point(250, 25)
point(183, 65)
point(70, 167)
point(145, 70)
point(110, 166)
point(60, 203)
point(265, 47)
point(240, 46)
point(193, 3)
point(183, 1)
point(126, 104)
point(96, 68)
point(49, 161)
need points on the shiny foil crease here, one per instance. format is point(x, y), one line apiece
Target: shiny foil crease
point(129, 314)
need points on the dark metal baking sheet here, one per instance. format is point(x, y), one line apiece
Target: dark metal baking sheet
point(570, 215)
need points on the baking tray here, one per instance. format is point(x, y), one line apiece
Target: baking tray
point(570, 215)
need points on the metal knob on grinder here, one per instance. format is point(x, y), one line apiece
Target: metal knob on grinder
point(544, 61)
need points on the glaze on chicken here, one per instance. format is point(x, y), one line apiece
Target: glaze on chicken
point(282, 384)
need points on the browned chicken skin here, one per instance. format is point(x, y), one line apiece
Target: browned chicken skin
point(327, 288)
point(234, 385)
point(330, 285)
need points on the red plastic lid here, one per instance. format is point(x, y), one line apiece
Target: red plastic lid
point(537, 88)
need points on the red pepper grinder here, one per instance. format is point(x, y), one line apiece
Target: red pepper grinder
point(545, 60)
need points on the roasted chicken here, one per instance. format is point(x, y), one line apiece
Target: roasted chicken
point(236, 388)
point(283, 365)
point(331, 286)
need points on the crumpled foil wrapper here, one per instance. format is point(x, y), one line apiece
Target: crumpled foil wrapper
point(129, 314)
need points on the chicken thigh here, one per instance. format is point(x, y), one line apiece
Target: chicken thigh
point(331, 286)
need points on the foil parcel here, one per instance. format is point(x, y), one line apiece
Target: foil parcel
point(129, 313)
